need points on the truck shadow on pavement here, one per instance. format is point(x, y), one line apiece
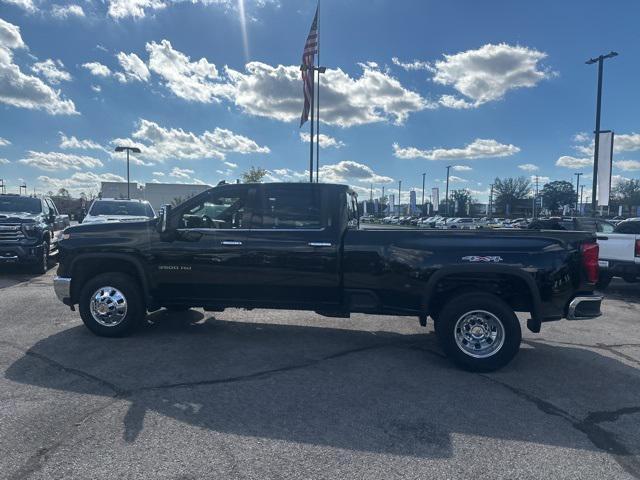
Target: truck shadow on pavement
point(355, 390)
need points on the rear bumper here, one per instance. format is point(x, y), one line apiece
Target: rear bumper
point(584, 307)
point(20, 253)
point(619, 268)
point(62, 287)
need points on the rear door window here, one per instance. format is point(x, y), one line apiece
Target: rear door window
point(290, 207)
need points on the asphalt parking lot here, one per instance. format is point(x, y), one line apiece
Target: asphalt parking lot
point(270, 394)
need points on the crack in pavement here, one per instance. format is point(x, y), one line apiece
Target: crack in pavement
point(598, 436)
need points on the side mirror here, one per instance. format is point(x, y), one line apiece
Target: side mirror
point(163, 216)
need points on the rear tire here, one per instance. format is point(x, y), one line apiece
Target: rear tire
point(111, 304)
point(479, 332)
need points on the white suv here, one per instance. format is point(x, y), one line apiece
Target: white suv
point(115, 210)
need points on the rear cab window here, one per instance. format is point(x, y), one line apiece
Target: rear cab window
point(290, 207)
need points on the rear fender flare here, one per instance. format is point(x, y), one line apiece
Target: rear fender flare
point(486, 268)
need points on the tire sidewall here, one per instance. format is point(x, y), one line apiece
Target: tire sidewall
point(457, 307)
point(135, 305)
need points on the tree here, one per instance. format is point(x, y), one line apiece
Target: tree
point(254, 175)
point(557, 194)
point(507, 191)
point(627, 192)
point(460, 202)
point(63, 192)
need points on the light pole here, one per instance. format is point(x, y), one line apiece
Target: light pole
point(490, 212)
point(399, 194)
point(447, 190)
point(424, 175)
point(600, 61)
point(128, 149)
point(2, 190)
point(581, 189)
point(577, 187)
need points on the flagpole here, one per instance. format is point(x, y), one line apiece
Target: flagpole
point(311, 136)
point(318, 104)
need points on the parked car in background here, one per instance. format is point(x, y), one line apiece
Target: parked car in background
point(584, 224)
point(463, 223)
point(30, 228)
point(620, 253)
point(116, 210)
point(299, 246)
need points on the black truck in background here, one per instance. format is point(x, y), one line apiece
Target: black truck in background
point(300, 246)
point(29, 230)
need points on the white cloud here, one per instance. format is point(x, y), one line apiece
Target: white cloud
point(275, 92)
point(192, 81)
point(627, 165)
point(325, 140)
point(4, 161)
point(451, 101)
point(65, 11)
point(21, 90)
point(27, 5)
point(346, 171)
point(621, 143)
point(158, 143)
point(231, 165)
point(133, 8)
point(488, 73)
point(78, 182)
point(97, 69)
point(52, 70)
point(573, 162)
point(455, 179)
point(134, 68)
point(479, 148)
point(581, 137)
point(461, 168)
point(4, 142)
point(529, 167)
point(54, 161)
point(96, 88)
point(181, 172)
point(158, 174)
point(414, 65)
point(74, 143)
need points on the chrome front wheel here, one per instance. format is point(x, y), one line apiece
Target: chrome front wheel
point(108, 306)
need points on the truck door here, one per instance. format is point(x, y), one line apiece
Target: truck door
point(293, 247)
point(205, 258)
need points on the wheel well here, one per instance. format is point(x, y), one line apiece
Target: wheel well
point(89, 268)
point(510, 288)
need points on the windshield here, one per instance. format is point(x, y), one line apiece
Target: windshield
point(107, 207)
point(20, 204)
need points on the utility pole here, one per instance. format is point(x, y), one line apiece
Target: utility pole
point(424, 175)
point(581, 189)
point(600, 61)
point(578, 174)
point(447, 190)
point(534, 205)
point(128, 149)
point(399, 194)
point(491, 202)
point(371, 193)
point(2, 186)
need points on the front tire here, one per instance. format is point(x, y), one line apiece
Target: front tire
point(479, 332)
point(112, 305)
point(42, 263)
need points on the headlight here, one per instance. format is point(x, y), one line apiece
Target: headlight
point(30, 229)
point(65, 236)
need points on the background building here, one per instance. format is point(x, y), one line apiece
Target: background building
point(157, 194)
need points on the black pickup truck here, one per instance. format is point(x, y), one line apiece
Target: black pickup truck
point(29, 230)
point(300, 246)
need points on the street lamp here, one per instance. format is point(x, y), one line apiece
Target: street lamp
point(577, 187)
point(423, 177)
point(447, 190)
point(600, 61)
point(128, 149)
point(399, 195)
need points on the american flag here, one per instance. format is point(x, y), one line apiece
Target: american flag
point(310, 49)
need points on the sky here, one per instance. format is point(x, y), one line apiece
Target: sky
point(208, 88)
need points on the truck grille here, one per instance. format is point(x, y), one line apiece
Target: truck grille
point(11, 232)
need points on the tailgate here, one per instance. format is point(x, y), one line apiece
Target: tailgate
point(617, 246)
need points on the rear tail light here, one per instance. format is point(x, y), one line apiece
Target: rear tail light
point(590, 253)
point(638, 248)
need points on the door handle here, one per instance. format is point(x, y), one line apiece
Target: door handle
point(319, 244)
point(231, 242)
point(603, 238)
